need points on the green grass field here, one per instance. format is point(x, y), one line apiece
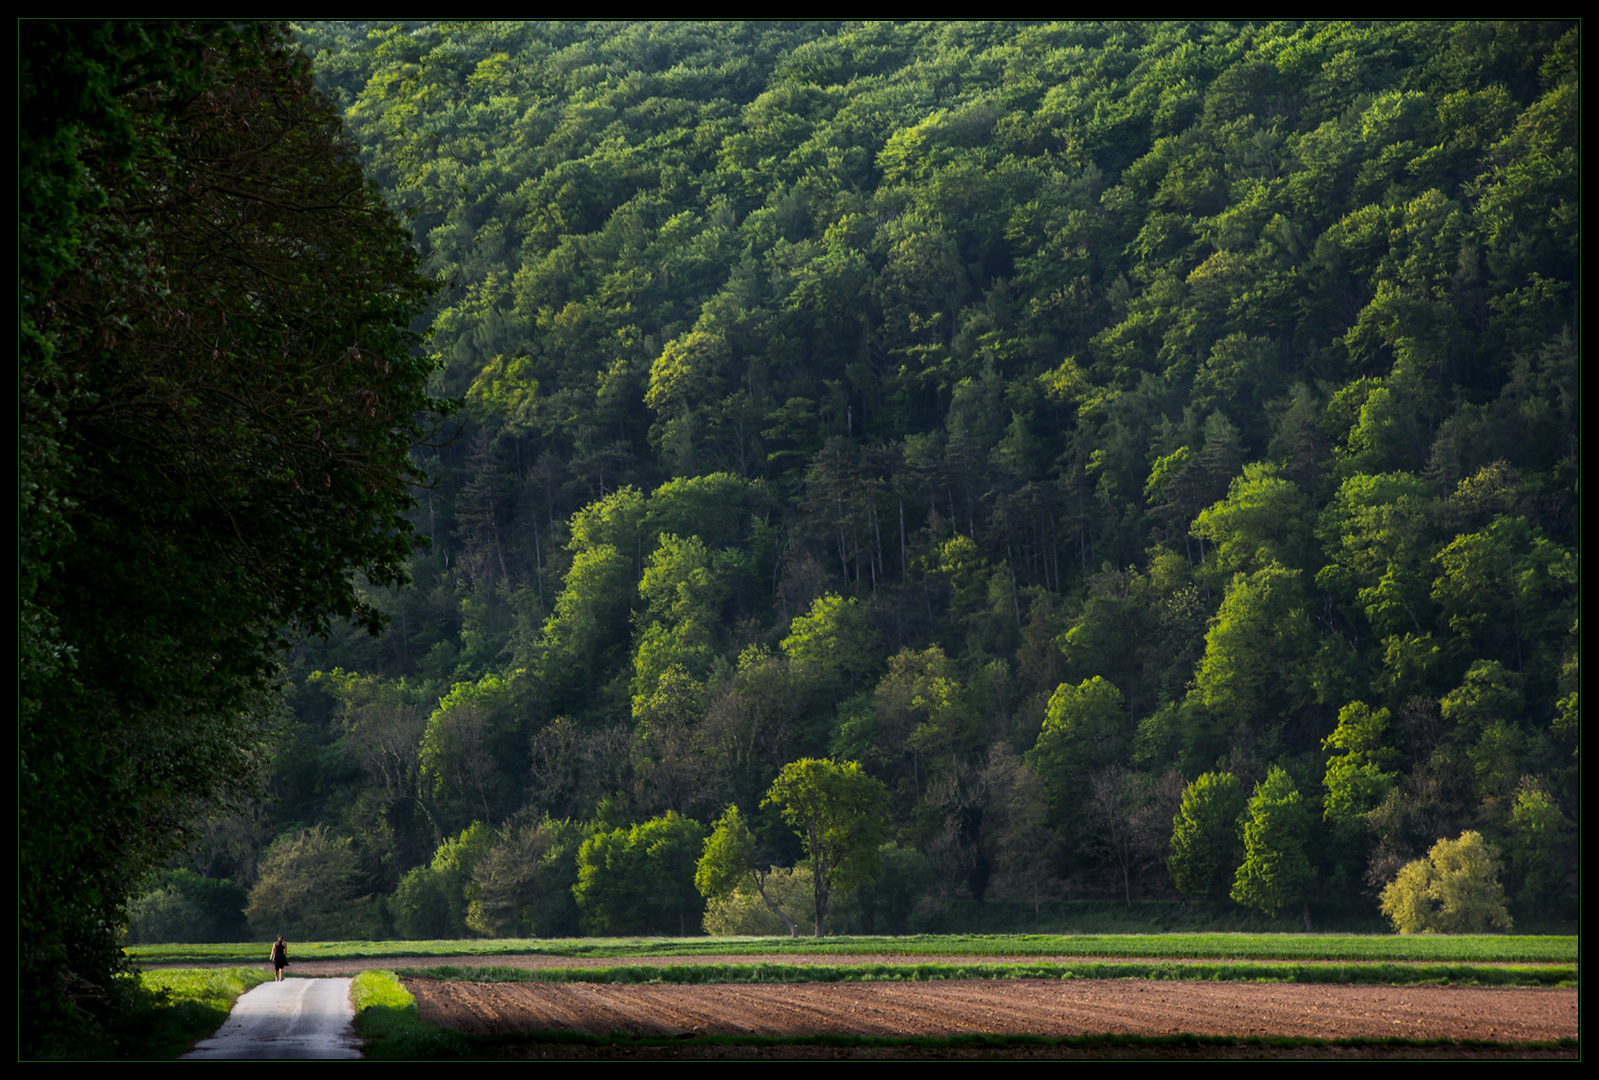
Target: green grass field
point(1305, 948)
point(385, 1016)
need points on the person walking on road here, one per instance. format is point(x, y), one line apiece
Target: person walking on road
point(280, 957)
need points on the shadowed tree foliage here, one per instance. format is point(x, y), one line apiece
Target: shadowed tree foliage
point(628, 879)
point(220, 391)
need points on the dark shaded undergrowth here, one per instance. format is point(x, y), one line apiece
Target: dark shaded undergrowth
point(572, 1045)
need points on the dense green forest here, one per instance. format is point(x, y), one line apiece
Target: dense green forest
point(1149, 450)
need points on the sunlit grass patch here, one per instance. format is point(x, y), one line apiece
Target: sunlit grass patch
point(386, 1017)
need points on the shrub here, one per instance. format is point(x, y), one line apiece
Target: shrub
point(1454, 890)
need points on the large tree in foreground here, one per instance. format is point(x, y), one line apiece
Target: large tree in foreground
point(219, 392)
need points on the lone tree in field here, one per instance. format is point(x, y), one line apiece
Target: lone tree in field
point(837, 810)
point(1454, 890)
point(1276, 872)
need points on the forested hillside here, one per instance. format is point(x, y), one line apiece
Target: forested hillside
point(1071, 424)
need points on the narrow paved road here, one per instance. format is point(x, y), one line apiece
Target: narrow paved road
point(295, 1018)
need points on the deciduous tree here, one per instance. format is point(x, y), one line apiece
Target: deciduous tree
point(626, 874)
point(307, 888)
point(1206, 841)
point(220, 389)
point(837, 810)
point(731, 861)
point(1454, 890)
point(1276, 872)
point(523, 884)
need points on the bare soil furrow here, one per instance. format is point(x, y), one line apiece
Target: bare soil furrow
point(1020, 1007)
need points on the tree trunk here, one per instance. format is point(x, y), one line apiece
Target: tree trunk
point(760, 887)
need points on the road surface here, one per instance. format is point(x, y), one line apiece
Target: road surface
point(295, 1018)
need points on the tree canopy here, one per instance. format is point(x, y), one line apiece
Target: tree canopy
point(731, 860)
point(1206, 845)
point(855, 390)
point(1454, 890)
point(837, 811)
point(1276, 872)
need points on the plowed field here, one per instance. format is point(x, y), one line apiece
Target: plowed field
point(1011, 1007)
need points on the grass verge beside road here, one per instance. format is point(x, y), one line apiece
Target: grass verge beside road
point(182, 1007)
point(385, 1017)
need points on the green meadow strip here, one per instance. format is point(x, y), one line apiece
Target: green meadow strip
point(701, 974)
point(1464, 949)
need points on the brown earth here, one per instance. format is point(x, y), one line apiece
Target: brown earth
point(1014, 1007)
